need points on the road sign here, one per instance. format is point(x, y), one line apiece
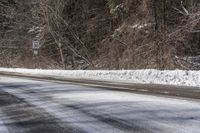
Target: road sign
point(35, 52)
point(36, 44)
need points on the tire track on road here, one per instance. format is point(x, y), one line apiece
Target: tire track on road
point(3, 128)
point(76, 116)
point(25, 118)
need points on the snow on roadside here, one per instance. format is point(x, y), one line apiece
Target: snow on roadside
point(146, 76)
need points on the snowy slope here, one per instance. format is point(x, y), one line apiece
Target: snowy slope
point(175, 77)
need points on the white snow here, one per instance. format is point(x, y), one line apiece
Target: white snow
point(147, 76)
point(140, 26)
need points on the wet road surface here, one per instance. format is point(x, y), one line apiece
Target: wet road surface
point(30, 106)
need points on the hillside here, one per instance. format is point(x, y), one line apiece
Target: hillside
point(100, 34)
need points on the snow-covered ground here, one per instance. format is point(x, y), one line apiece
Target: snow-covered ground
point(169, 77)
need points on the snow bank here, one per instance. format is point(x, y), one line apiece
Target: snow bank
point(175, 77)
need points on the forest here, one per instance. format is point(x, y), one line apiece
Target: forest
point(100, 34)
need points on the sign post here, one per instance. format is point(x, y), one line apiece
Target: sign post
point(35, 46)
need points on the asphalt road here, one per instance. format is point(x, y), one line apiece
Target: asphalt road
point(30, 106)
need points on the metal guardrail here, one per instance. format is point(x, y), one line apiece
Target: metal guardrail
point(190, 62)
